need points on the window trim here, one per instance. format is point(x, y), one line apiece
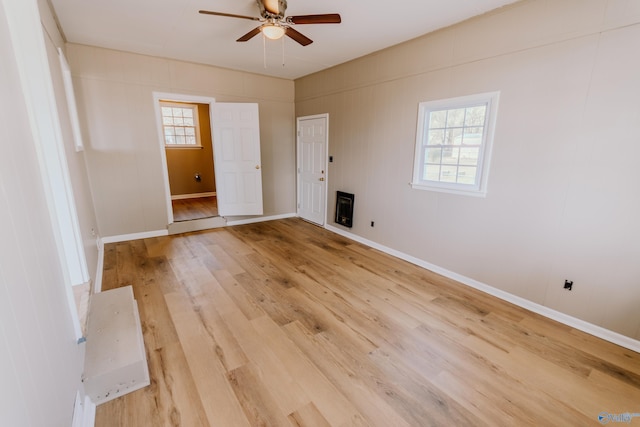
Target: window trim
point(484, 159)
point(196, 124)
point(72, 108)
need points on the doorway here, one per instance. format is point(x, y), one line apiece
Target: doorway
point(235, 169)
point(183, 183)
point(189, 152)
point(312, 149)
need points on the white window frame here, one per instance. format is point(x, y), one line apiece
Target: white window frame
point(196, 123)
point(479, 189)
point(71, 101)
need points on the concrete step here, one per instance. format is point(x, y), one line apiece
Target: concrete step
point(115, 360)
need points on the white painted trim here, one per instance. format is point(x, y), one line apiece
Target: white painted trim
point(78, 411)
point(480, 188)
point(563, 318)
point(134, 236)
point(97, 282)
point(199, 224)
point(84, 412)
point(166, 96)
point(71, 101)
point(261, 219)
point(89, 418)
point(193, 195)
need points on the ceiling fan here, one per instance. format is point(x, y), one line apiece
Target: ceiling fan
point(274, 23)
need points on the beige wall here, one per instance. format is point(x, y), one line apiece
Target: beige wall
point(562, 193)
point(40, 362)
point(123, 155)
point(184, 164)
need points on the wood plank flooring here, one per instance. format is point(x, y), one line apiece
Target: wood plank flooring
point(196, 208)
point(283, 323)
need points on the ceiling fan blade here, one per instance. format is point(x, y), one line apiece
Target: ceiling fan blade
point(229, 15)
point(251, 34)
point(327, 18)
point(297, 36)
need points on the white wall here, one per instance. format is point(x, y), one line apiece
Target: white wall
point(562, 197)
point(75, 160)
point(123, 150)
point(40, 362)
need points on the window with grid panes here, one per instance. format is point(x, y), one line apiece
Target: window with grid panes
point(453, 144)
point(180, 124)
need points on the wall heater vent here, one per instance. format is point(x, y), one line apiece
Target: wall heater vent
point(344, 209)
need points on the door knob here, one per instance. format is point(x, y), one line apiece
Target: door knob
point(257, 166)
point(321, 179)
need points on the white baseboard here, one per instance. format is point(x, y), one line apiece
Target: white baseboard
point(193, 195)
point(84, 412)
point(134, 236)
point(261, 219)
point(160, 233)
point(89, 416)
point(97, 282)
point(595, 330)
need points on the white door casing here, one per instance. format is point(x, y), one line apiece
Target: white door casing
point(166, 96)
point(238, 168)
point(227, 202)
point(312, 146)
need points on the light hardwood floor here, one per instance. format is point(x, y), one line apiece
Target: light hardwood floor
point(283, 323)
point(196, 208)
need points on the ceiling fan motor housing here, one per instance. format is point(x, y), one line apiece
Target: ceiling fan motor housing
point(272, 8)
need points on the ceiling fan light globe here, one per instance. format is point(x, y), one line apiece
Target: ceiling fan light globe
point(273, 32)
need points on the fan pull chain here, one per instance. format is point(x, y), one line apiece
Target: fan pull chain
point(283, 51)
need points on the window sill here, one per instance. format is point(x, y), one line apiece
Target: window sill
point(458, 191)
point(184, 147)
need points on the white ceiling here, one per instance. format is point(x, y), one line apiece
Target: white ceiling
point(175, 29)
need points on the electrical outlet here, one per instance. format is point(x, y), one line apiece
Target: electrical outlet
point(568, 284)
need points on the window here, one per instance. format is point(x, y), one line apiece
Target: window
point(180, 124)
point(453, 144)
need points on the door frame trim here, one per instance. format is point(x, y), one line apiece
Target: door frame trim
point(179, 97)
point(326, 162)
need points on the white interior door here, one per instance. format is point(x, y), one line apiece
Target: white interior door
point(236, 147)
point(312, 167)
